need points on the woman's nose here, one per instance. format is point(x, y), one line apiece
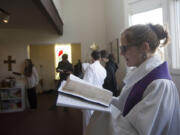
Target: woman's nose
point(122, 53)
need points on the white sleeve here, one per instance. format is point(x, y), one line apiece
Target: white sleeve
point(36, 76)
point(84, 66)
point(150, 116)
point(115, 101)
point(88, 76)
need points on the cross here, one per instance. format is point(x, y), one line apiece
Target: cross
point(9, 62)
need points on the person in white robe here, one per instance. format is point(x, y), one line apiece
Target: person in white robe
point(157, 111)
point(95, 74)
point(32, 80)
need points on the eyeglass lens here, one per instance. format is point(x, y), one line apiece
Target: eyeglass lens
point(123, 48)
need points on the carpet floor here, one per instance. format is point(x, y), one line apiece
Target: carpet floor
point(46, 120)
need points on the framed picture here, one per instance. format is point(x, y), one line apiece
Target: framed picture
point(114, 47)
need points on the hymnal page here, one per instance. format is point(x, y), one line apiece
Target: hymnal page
point(74, 102)
point(69, 100)
point(77, 87)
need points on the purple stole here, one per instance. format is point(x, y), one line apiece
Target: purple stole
point(135, 96)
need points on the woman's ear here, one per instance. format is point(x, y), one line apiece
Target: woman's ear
point(145, 47)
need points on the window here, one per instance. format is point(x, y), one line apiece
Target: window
point(153, 16)
point(169, 13)
point(59, 51)
point(176, 35)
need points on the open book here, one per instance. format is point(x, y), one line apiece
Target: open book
point(81, 94)
point(16, 73)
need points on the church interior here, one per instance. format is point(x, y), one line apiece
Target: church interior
point(41, 30)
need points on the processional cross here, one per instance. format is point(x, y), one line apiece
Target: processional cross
point(9, 62)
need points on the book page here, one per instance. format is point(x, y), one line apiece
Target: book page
point(77, 87)
point(74, 102)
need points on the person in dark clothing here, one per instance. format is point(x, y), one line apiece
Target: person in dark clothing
point(64, 68)
point(111, 67)
point(78, 69)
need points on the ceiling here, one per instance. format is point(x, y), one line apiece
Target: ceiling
point(25, 14)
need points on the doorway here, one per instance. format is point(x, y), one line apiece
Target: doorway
point(44, 57)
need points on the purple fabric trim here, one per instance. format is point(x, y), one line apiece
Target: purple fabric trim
point(135, 96)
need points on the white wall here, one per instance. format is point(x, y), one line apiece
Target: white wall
point(115, 23)
point(84, 22)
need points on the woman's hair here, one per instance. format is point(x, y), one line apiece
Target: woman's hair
point(152, 34)
point(28, 68)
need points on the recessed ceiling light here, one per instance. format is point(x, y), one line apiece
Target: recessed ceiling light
point(4, 16)
point(6, 19)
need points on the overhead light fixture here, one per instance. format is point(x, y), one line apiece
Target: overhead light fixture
point(94, 47)
point(6, 19)
point(4, 16)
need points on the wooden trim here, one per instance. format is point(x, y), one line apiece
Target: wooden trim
point(48, 8)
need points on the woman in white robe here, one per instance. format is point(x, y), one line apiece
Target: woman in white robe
point(158, 110)
point(32, 79)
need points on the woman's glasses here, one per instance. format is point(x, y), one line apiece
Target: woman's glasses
point(124, 48)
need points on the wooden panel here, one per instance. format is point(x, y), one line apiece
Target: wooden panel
point(42, 57)
point(115, 49)
point(75, 53)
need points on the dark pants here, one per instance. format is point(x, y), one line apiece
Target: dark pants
point(32, 97)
